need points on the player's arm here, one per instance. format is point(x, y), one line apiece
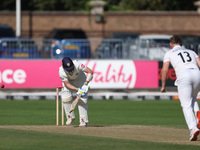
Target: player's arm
point(69, 86)
point(198, 61)
point(164, 72)
point(89, 74)
point(65, 80)
point(89, 77)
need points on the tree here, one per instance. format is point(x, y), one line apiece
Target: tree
point(136, 5)
point(50, 5)
point(112, 5)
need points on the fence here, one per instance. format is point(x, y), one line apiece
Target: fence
point(82, 49)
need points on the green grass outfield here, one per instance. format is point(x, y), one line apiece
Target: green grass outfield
point(102, 112)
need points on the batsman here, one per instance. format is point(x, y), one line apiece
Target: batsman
point(73, 76)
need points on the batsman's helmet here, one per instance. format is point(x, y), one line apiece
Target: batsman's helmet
point(67, 64)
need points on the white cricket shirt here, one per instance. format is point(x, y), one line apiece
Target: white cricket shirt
point(181, 59)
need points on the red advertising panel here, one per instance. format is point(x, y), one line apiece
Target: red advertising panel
point(108, 74)
point(171, 76)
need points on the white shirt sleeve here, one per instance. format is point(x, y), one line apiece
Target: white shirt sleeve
point(79, 65)
point(62, 74)
point(166, 57)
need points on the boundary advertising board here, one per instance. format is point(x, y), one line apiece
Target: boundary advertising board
point(108, 74)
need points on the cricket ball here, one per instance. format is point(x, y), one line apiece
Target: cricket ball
point(2, 86)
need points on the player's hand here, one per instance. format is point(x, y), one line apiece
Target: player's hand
point(85, 87)
point(80, 91)
point(163, 89)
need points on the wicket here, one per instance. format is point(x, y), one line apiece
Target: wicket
point(59, 89)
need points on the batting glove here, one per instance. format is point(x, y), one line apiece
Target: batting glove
point(80, 91)
point(85, 87)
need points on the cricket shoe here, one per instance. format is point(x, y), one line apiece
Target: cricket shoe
point(69, 121)
point(82, 123)
point(198, 117)
point(193, 134)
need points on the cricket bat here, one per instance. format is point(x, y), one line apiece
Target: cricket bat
point(74, 103)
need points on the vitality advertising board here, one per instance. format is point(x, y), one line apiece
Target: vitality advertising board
point(108, 74)
point(117, 74)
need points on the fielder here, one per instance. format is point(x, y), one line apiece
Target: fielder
point(186, 64)
point(72, 74)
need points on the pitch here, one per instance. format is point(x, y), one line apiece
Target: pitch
point(113, 125)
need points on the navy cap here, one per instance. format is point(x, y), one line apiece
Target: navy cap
point(67, 64)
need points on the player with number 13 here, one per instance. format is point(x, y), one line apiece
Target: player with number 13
point(186, 64)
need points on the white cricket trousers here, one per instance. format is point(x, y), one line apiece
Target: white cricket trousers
point(188, 88)
point(82, 104)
